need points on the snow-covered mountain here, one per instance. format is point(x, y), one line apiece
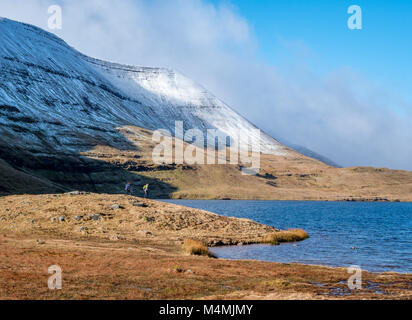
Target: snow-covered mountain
point(55, 99)
point(66, 123)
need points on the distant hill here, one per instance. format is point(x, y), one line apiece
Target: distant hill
point(312, 154)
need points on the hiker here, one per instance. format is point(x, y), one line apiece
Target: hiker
point(146, 190)
point(128, 187)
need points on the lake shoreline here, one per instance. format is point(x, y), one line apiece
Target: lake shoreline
point(375, 236)
point(109, 247)
point(306, 264)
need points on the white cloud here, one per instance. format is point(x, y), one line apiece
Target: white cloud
point(341, 115)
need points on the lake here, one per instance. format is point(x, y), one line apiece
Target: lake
point(375, 236)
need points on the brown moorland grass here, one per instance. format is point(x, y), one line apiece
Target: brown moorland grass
point(96, 269)
point(291, 235)
point(122, 217)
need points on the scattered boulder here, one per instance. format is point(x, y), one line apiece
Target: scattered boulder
point(83, 228)
point(76, 193)
point(139, 204)
point(116, 237)
point(149, 219)
point(78, 218)
point(53, 219)
point(177, 269)
point(73, 193)
point(145, 233)
point(62, 218)
point(39, 241)
point(116, 206)
point(216, 243)
point(95, 216)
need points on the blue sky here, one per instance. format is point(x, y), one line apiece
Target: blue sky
point(289, 31)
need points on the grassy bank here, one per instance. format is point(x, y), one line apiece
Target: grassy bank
point(292, 235)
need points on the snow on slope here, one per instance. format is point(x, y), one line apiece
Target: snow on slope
point(54, 98)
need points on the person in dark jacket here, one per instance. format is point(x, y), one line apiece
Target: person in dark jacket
point(128, 187)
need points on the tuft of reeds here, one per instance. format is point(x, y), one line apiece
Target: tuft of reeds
point(196, 248)
point(291, 235)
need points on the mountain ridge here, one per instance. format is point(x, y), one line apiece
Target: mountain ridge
point(145, 96)
point(68, 121)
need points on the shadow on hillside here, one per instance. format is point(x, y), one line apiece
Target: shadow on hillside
point(59, 173)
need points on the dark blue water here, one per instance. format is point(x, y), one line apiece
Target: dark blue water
point(380, 232)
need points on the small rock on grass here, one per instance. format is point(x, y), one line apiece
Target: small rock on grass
point(95, 216)
point(39, 241)
point(149, 219)
point(145, 233)
point(177, 269)
point(139, 204)
point(116, 237)
point(76, 193)
point(62, 218)
point(73, 193)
